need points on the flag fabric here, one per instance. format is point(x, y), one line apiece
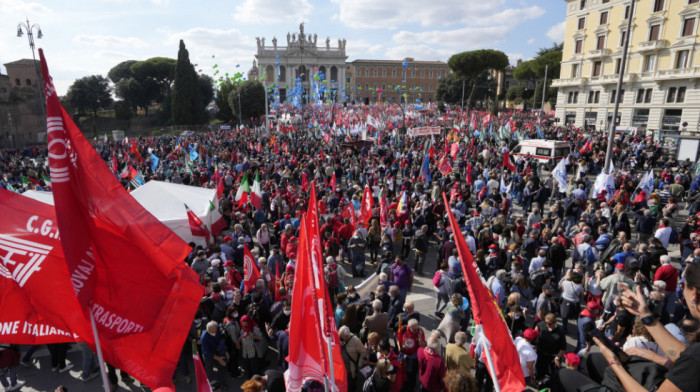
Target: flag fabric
point(197, 228)
point(220, 187)
point(333, 182)
point(647, 183)
point(506, 161)
point(559, 174)
point(38, 304)
point(251, 273)
point(470, 179)
point(200, 374)
point(403, 203)
point(47, 180)
point(243, 192)
point(503, 188)
point(604, 182)
point(115, 164)
point(118, 255)
point(444, 165)
point(371, 121)
point(256, 193)
point(349, 212)
point(154, 162)
point(587, 147)
point(135, 177)
point(325, 309)
point(383, 210)
point(425, 169)
point(539, 132)
point(134, 150)
point(193, 153)
point(304, 181)
point(366, 206)
point(454, 150)
point(487, 314)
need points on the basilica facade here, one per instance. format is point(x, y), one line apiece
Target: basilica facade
point(296, 63)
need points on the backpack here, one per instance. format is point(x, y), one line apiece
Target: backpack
point(588, 255)
point(673, 238)
point(537, 280)
point(332, 277)
point(437, 278)
point(368, 385)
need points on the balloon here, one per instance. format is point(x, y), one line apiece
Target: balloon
point(212, 56)
point(277, 63)
point(405, 64)
point(238, 65)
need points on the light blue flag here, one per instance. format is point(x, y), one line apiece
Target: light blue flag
point(154, 162)
point(539, 131)
point(425, 169)
point(193, 153)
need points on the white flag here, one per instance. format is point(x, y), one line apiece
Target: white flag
point(504, 188)
point(647, 183)
point(604, 182)
point(559, 174)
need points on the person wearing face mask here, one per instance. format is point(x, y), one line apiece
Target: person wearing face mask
point(516, 321)
point(281, 319)
point(213, 352)
point(233, 340)
point(588, 315)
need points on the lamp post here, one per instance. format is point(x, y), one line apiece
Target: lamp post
point(240, 114)
point(27, 27)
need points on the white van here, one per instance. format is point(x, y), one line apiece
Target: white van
point(546, 151)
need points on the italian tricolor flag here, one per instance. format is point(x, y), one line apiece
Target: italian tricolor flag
point(243, 191)
point(256, 194)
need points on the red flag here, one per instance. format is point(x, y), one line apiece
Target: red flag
point(250, 270)
point(220, 187)
point(256, 193)
point(454, 149)
point(200, 374)
point(258, 148)
point(325, 308)
point(304, 181)
point(487, 315)
point(586, 147)
point(37, 303)
point(285, 148)
point(366, 208)
point(349, 212)
point(383, 210)
point(118, 255)
point(431, 152)
point(327, 138)
point(277, 149)
point(333, 182)
point(506, 161)
point(115, 164)
point(197, 228)
point(444, 165)
point(308, 354)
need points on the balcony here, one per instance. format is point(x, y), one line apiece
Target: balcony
point(569, 82)
point(599, 53)
point(650, 46)
point(613, 78)
point(679, 73)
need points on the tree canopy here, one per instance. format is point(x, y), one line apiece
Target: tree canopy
point(90, 94)
point(474, 67)
point(549, 60)
point(186, 96)
point(252, 100)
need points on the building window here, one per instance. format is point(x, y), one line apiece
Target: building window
point(366, 86)
point(649, 61)
point(688, 27)
point(613, 94)
point(654, 32)
point(681, 59)
point(671, 96)
point(597, 66)
point(593, 96)
point(376, 72)
point(583, 4)
point(570, 97)
point(623, 36)
point(29, 82)
point(680, 95)
point(403, 73)
point(422, 73)
point(604, 18)
point(17, 82)
point(627, 12)
point(383, 72)
point(358, 72)
point(413, 73)
point(658, 6)
point(648, 94)
point(581, 23)
point(618, 63)
point(600, 42)
point(430, 74)
point(693, 2)
point(575, 96)
point(575, 69)
point(430, 87)
point(367, 71)
point(579, 46)
point(640, 95)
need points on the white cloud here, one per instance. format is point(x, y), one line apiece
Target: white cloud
point(531, 41)
point(360, 47)
point(23, 8)
point(464, 38)
point(273, 11)
point(391, 13)
point(418, 52)
point(556, 33)
point(109, 41)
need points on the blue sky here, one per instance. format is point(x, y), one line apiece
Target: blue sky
point(86, 37)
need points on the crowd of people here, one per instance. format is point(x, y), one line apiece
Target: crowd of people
point(614, 271)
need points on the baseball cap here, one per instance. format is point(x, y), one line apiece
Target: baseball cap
point(620, 266)
point(530, 334)
point(228, 263)
point(546, 286)
point(572, 359)
point(228, 238)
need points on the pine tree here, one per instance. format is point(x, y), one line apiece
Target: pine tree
point(186, 96)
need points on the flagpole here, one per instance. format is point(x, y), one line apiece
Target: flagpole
point(100, 358)
point(331, 376)
point(485, 344)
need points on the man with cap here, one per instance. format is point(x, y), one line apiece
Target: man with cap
point(476, 221)
point(233, 277)
point(527, 353)
point(587, 316)
point(226, 247)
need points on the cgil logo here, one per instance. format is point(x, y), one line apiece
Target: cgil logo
point(20, 259)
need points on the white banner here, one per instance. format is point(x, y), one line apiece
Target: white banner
point(424, 131)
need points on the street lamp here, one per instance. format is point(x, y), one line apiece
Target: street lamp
point(29, 28)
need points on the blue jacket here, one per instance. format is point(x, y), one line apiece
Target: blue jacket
point(212, 345)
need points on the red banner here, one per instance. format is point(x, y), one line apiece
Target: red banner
point(487, 315)
point(506, 161)
point(37, 304)
point(366, 208)
point(250, 270)
point(118, 255)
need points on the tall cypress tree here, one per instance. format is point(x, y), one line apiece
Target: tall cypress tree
point(186, 96)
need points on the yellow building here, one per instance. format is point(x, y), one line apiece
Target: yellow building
point(662, 75)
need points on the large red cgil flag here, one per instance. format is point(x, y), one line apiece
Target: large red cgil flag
point(506, 161)
point(487, 315)
point(118, 255)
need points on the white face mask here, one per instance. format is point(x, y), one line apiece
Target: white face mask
point(235, 315)
point(287, 312)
